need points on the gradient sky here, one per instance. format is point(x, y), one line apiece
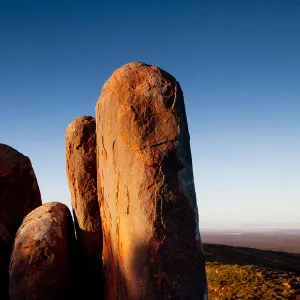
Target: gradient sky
point(238, 63)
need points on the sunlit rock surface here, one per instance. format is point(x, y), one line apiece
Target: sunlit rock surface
point(152, 246)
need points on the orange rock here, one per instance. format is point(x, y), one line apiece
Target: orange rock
point(19, 191)
point(19, 195)
point(41, 259)
point(82, 177)
point(152, 247)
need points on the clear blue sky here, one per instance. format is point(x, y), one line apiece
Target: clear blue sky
point(238, 63)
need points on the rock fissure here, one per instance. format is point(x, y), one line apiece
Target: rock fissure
point(162, 143)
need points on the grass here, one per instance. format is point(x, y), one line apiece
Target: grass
point(245, 282)
point(248, 273)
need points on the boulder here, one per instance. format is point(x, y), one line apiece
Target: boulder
point(82, 178)
point(41, 260)
point(19, 190)
point(152, 247)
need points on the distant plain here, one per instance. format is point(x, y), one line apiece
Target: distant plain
point(283, 240)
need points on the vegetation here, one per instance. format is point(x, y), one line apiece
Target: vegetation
point(245, 282)
point(247, 273)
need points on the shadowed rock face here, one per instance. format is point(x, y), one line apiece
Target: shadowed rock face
point(40, 265)
point(5, 250)
point(152, 246)
point(19, 191)
point(82, 177)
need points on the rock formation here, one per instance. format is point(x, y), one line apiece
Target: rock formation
point(19, 191)
point(40, 265)
point(152, 247)
point(82, 177)
point(19, 195)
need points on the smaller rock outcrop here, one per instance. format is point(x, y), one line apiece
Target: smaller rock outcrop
point(41, 260)
point(82, 177)
point(19, 190)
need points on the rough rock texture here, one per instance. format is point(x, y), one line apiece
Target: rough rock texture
point(19, 191)
point(5, 250)
point(82, 177)
point(152, 247)
point(40, 265)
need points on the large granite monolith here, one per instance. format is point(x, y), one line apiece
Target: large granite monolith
point(82, 178)
point(19, 190)
point(152, 246)
point(41, 260)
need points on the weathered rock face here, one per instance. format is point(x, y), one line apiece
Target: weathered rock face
point(152, 247)
point(82, 177)
point(5, 250)
point(19, 191)
point(40, 265)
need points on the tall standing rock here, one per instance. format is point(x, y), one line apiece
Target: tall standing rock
point(41, 259)
point(19, 191)
point(82, 177)
point(152, 247)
